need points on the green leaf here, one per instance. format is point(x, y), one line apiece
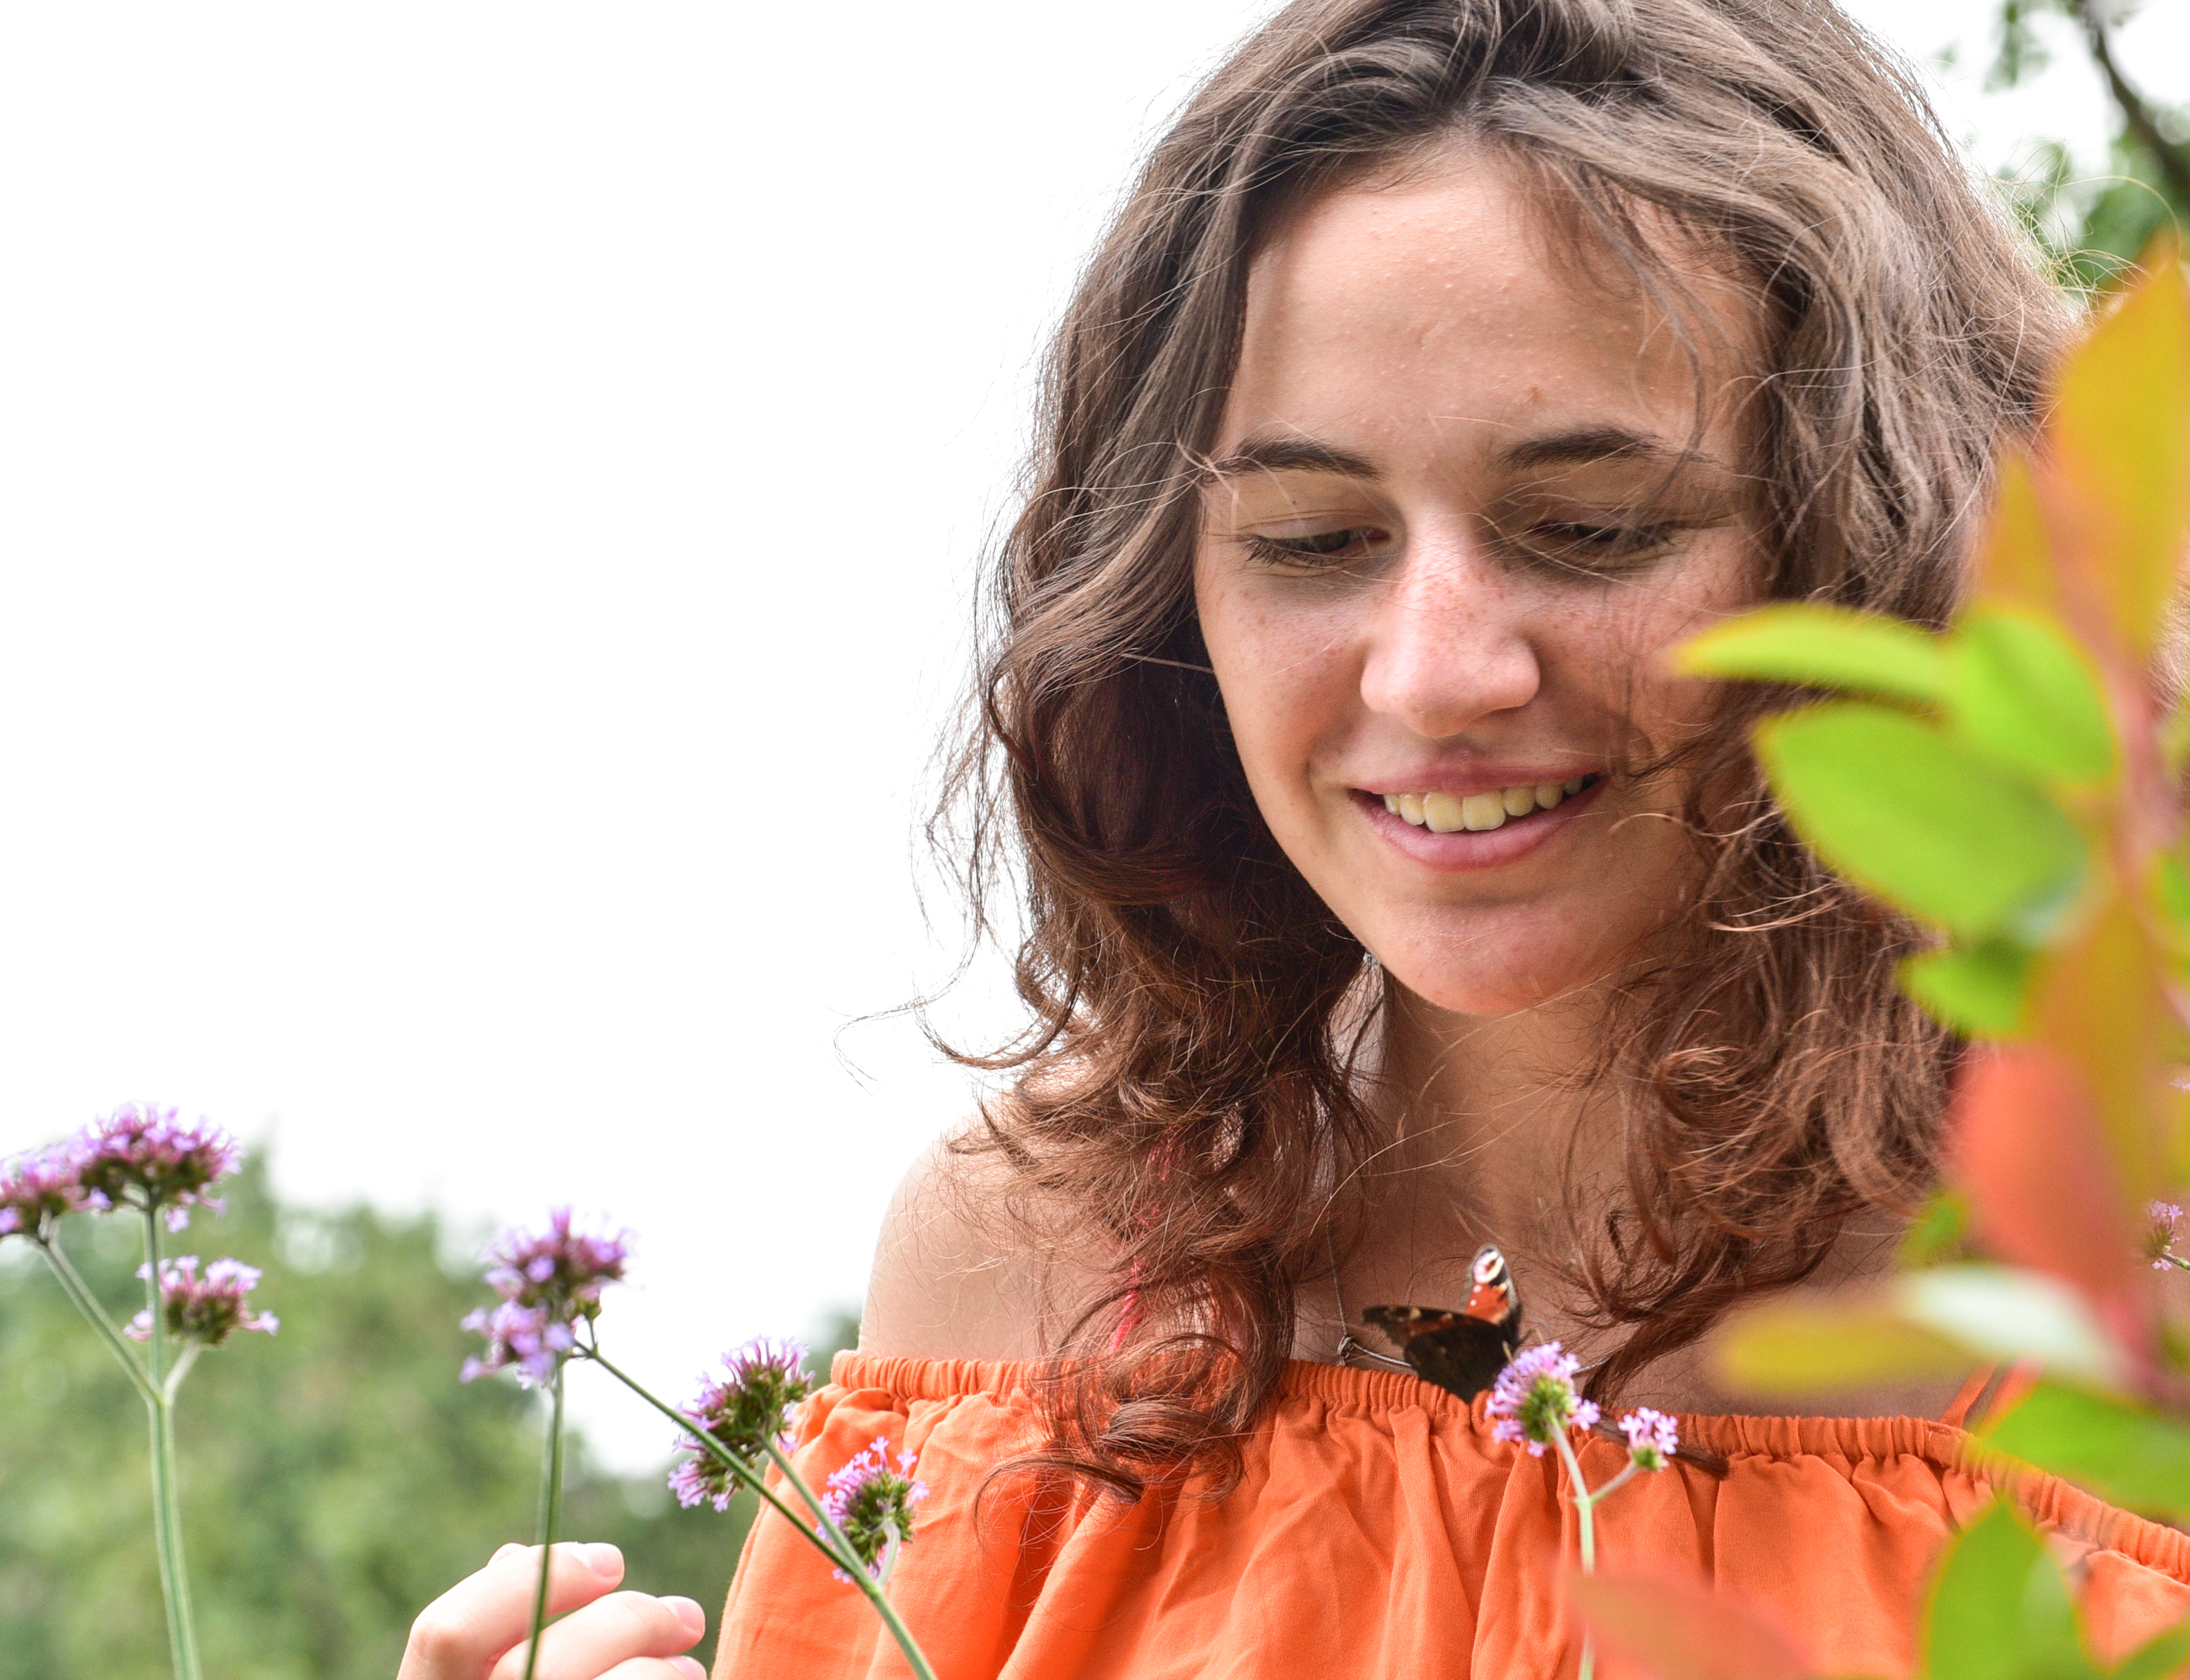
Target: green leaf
point(1935, 1234)
point(2174, 890)
point(2126, 1454)
point(2022, 692)
point(1812, 1346)
point(2000, 1314)
point(1938, 1322)
point(1980, 990)
point(1923, 822)
point(2159, 1657)
point(1999, 1607)
point(1821, 647)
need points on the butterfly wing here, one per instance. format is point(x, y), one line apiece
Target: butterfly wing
point(1462, 1352)
point(1461, 1355)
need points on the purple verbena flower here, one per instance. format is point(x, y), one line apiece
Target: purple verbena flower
point(1652, 1439)
point(546, 1283)
point(2160, 1236)
point(208, 1310)
point(1534, 1399)
point(40, 1186)
point(748, 1408)
point(530, 1341)
point(871, 1503)
point(143, 1158)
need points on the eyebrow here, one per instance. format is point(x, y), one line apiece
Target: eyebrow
point(1292, 455)
point(1582, 446)
point(1587, 444)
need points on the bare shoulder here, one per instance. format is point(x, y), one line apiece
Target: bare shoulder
point(954, 1276)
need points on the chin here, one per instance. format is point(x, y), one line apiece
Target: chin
point(1471, 986)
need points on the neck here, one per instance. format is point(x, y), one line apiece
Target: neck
point(1490, 1117)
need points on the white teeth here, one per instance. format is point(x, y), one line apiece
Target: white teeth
point(1449, 813)
point(1443, 813)
point(1483, 810)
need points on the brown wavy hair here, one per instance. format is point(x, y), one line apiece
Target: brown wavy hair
point(1187, 1090)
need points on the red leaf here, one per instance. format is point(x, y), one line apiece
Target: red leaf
point(2028, 1148)
point(1679, 1629)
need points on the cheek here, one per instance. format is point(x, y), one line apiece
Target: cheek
point(1284, 675)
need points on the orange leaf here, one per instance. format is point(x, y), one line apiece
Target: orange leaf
point(2015, 568)
point(1679, 1629)
point(2102, 1003)
point(2118, 444)
point(2027, 1150)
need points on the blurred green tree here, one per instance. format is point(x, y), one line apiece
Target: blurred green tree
point(335, 1477)
point(2094, 226)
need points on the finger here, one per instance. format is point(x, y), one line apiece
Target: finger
point(459, 1635)
point(657, 1668)
point(588, 1643)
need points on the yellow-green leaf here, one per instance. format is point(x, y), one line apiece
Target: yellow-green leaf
point(2021, 690)
point(1980, 990)
point(2127, 1454)
point(1821, 647)
point(1900, 809)
point(2000, 1609)
point(1807, 1346)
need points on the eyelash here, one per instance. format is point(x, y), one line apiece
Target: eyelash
point(1574, 547)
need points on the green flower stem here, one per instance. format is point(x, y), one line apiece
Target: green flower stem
point(167, 1504)
point(834, 1547)
point(857, 1569)
point(551, 1513)
point(77, 1291)
point(1584, 1515)
point(723, 1456)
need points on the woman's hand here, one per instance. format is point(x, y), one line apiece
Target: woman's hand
point(476, 1630)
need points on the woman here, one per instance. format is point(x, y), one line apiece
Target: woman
point(1385, 895)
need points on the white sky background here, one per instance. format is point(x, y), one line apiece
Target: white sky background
point(489, 495)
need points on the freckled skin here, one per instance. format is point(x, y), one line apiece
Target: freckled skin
point(1427, 329)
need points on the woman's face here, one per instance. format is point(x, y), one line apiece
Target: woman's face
point(1460, 506)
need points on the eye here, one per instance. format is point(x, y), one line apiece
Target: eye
point(1588, 546)
point(1319, 549)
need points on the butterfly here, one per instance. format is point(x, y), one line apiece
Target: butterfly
point(1462, 1352)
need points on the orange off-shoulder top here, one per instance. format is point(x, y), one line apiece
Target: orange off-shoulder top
point(1381, 1533)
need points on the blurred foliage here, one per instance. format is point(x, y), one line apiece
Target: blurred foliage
point(335, 1477)
point(2093, 225)
point(2015, 785)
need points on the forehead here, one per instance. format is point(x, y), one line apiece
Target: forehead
point(1439, 312)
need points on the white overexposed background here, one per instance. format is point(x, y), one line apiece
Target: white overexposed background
point(489, 499)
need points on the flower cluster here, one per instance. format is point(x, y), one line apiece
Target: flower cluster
point(2158, 1245)
point(1533, 1398)
point(206, 1309)
point(546, 1283)
point(745, 1410)
point(143, 1158)
point(871, 1503)
point(40, 1188)
point(1652, 1439)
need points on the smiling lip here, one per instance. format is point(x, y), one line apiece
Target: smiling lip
point(1465, 849)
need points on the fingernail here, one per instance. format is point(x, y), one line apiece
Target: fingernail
point(688, 1613)
point(689, 1669)
point(503, 1552)
point(603, 1559)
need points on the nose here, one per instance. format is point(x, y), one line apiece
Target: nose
point(1449, 647)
